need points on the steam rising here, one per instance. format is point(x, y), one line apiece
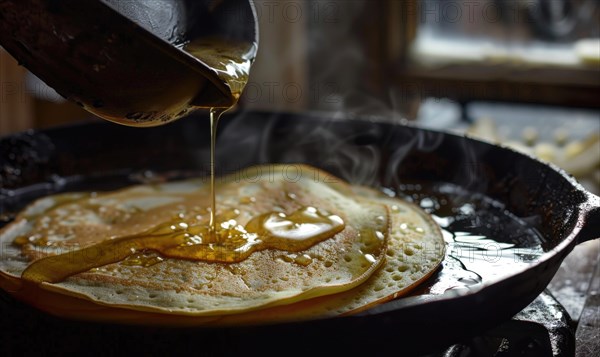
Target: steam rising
point(358, 152)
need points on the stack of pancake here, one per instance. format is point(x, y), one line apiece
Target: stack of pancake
point(90, 255)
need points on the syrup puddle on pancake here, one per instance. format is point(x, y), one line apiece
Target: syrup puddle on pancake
point(229, 243)
point(148, 248)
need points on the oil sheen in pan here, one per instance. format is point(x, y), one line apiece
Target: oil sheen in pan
point(485, 241)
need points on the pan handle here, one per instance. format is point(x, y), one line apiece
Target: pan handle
point(591, 221)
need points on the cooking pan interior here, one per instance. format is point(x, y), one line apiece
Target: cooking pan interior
point(544, 208)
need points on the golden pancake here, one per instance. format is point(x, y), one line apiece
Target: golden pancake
point(74, 244)
point(412, 255)
point(415, 250)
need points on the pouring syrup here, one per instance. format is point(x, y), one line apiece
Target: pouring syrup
point(222, 242)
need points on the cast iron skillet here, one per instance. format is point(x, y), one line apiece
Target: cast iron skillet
point(98, 156)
